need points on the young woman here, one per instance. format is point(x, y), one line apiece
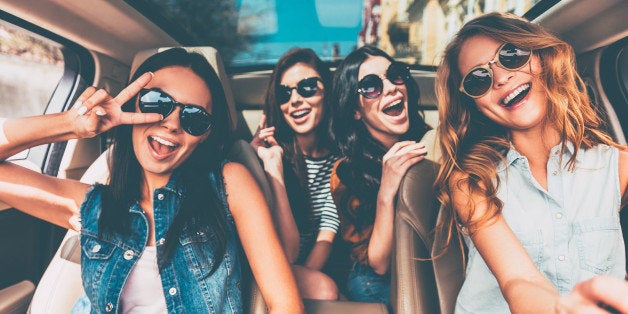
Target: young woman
point(532, 182)
point(163, 234)
point(298, 156)
point(377, 125)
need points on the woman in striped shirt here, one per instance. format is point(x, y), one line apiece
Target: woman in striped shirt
point(293, 143)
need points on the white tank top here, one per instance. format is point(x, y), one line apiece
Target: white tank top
point(143, 292)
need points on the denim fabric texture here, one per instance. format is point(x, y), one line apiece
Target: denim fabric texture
point(107, 259)
point(364, 285)
point(571, 231)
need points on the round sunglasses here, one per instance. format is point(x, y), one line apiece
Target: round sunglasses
point(479, 80)
point(372, 85)
point(193, 119)
point(306, 87)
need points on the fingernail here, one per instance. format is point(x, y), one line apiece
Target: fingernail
point(82, 110)
point(100, 112)
point(151, 74)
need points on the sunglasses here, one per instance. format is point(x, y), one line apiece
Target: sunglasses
point(194, 119)
point(480, 79)
point(371, 86)
point(306, 87)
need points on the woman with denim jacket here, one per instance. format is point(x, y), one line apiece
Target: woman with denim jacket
point(527, 175)
point(377, 126)
point(164, 234)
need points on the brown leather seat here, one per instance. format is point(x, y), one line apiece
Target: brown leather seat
point(421, 284)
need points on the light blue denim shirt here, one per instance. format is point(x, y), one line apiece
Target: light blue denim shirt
point(108, 258)
point(571, 230)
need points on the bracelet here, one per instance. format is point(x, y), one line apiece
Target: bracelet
point(3, 136)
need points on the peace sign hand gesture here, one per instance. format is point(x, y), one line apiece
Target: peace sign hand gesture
point(96, 111)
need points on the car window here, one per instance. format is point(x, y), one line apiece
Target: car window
point(32, 66)
point(258, 32)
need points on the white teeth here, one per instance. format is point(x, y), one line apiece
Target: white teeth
point(393, 104)
point(301, 112)
point(163, 142)
point(516, 92)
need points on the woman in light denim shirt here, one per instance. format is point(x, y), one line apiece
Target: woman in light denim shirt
point(530, 180)
point(163, 235)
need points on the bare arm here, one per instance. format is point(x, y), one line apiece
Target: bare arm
point(52, 199)
point(321, 250)
point(273, 166)
point(395, 162)
point(260, 242)
point(596, 295)
point(524, 287)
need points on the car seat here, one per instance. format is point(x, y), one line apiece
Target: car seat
point(426, 271)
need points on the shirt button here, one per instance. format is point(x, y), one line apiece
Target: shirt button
point(160, 197)
point(555, 172)
point(561, 258)
point(172, 291)
point(128, 255)
point(96, 248)
point(109, 307)
point(559, 215)
point(161, 241)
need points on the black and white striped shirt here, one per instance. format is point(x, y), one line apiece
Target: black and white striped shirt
point(323, 207)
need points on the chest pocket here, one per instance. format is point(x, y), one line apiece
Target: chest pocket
point(198, 248)
point(95, 249)
point(598, 242)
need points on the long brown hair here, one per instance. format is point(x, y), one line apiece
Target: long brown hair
point(472, 145)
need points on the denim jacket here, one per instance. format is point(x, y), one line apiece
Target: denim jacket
point(571, 231)
point(107, 260)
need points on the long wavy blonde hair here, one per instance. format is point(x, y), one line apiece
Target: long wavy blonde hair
point(472, 145)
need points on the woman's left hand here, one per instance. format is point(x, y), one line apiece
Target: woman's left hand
point(396, 162)
point(602, 294)
point(96, 111)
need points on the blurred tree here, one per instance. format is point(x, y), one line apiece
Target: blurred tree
point(193, 22)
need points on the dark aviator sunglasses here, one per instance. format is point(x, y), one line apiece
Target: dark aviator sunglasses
point(480, 79)
point(193, 119)
point(372, 85)
point(306, 87)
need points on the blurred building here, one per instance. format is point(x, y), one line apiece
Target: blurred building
point(419, 30)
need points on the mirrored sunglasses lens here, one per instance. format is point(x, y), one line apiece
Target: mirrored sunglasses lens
point(477, 82)
point(370, 86)
point(152, 101)
point(397, 73)
point(283, 94)
point(195, 121)
point(308, 87)
point(513, 57)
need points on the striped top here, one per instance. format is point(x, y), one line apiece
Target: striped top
point(324, 212)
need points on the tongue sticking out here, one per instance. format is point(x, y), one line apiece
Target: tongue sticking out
point(161, 149)
point(394, 110)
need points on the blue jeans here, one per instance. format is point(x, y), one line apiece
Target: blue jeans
point(364, 285)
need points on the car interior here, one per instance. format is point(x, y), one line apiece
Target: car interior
point(100, 43)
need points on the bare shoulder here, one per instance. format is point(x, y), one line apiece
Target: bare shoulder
point(233, 172)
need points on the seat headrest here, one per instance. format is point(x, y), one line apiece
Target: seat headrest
point(213, 57)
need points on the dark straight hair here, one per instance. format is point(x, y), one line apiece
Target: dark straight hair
point(362, 167)
point(200, 207)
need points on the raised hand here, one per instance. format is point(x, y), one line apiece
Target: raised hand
point(267, 148)
point(396, 162)
point(96, 111)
